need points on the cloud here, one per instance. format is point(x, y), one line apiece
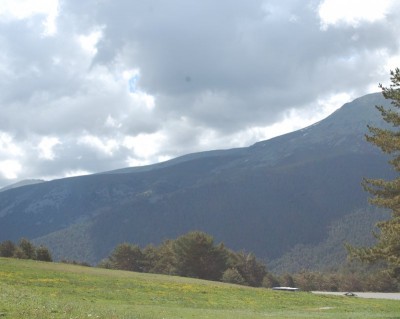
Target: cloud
point(251, 62)
point(89, 86)
point(25, 9)
point(352, 12)
point(10, 169)
point(46, 147)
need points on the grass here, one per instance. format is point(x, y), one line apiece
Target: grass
point(30, 289)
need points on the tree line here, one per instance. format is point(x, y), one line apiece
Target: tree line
point(196, 255)
point(191, 255)
point(24, 249)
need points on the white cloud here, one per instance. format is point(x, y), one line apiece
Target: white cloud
point(352, 12)
point(76, 173)
point(89, 42)
point(46, 147)
point(112, 122)
point(104, 146)
point(144, 146)
point(10, 169)
point(136, 82)
point(24, 9)
point(8, 147)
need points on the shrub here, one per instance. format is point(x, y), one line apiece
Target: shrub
point(43, 254)
point(232, 276)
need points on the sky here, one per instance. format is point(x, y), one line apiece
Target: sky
point(96, 85)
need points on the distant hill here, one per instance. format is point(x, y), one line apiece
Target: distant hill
point(22, 183)
point(266, 198)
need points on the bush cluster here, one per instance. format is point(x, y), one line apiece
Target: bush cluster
point(195, 255)
point(191, 255)
point(24, 250)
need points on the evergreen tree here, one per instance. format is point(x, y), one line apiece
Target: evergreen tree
point(43, 254)
point(232, 276)
point(161, 259)
point(386, 193)
point(7, 248)
point(151, 257)
point(127, 257)
point(250, 268)
point(26, 250)
point(198, 257)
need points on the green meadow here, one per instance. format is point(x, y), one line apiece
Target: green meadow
point(31, 289)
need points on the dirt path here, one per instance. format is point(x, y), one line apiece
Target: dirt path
point(374, 295)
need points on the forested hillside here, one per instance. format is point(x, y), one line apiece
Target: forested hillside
point(329, 254)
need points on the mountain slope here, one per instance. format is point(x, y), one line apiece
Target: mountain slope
point(329, 254)
point(266, 198)
point(22, 183)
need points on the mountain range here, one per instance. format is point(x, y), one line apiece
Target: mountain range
point(273, 198)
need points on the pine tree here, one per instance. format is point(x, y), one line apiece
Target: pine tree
point(127, 257)
point(198, 257)
point(249, 267)
point(43, 254)
point(26, 250)
point(386, 193)
point(7, 248)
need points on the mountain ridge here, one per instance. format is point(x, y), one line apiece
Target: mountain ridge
point(264, 198)
point(21, 183)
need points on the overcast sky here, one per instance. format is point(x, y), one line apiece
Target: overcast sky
point(95, 85)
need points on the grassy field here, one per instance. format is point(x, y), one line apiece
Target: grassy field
point(30, 289)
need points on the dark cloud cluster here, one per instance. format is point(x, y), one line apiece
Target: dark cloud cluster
point(130, 82)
